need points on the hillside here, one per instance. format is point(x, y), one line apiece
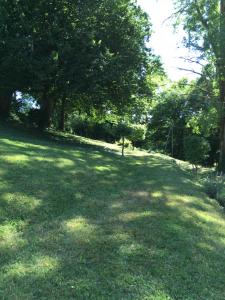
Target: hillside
point(79, 222)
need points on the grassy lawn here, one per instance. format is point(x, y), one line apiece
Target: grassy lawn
point(80, 222)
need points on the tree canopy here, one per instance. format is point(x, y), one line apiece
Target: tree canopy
point(88, 53)
point(204, 22)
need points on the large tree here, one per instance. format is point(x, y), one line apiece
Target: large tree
point(14, 45)
point(204, 21)
point(62, 50)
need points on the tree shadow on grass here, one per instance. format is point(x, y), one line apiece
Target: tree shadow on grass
point(79, 224)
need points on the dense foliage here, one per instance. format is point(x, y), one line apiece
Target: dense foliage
point(204, 22)
point(184, 109)
point(196, 149)
point(79, 54)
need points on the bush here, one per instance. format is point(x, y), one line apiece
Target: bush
point(213, 186)
point(138, 133)
point(92, 129)
point(123, 130)
point(196, 149)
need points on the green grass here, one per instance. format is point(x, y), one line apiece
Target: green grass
point(80, 222)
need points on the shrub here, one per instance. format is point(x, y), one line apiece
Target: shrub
point(213, 186)
point(92, 129)
point(196, 149)
point(138, 133)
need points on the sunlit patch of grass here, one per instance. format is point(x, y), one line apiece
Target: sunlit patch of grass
point(44, 159)
point(157, 194)
point(38, 266)
point(135, 215)
point(21, 201)
point(140, 194)
point(116, 205)
point(15, 158)
point(23, 145)
point(63, 162)
point(206, 246)
point(10, 237)
point(212, 218)
point(79, 228)
point(103, 168)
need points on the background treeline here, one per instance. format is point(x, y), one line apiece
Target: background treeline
point(179, 119)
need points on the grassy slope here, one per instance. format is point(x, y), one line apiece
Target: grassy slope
point(77, 222)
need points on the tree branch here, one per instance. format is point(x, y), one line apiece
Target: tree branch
point(179, 11)
point(190, 70)
point(191, 60)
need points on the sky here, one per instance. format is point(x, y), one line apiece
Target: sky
point(164, 41)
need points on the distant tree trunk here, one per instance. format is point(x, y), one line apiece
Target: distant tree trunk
point(5, 104)
point(221, 165)
point(123, 145)
point(62, 114)
point(221, 72)
point(45, 111)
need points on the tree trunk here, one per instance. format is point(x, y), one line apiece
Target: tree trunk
point(221, 165)
point(62, 114)
point(45, 112)
point(221, 72)
point(123, 146)
point(5, 104)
